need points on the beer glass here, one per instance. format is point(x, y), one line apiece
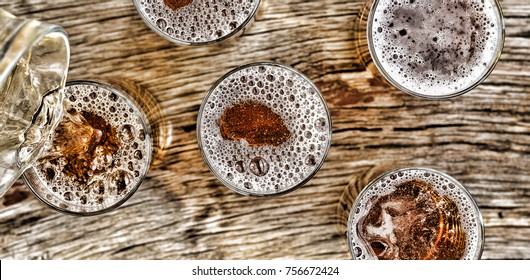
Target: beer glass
point(34, 58)
point(101, 150)
point(264, 129)
point(431, 49)
point(410, 213)
point(197, 23)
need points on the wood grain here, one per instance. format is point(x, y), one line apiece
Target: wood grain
point(182, 212)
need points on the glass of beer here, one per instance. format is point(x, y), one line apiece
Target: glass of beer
point(264, 129)
point(34, 58)
point(431, 49)
point(197, 22)
point(413, 213)
point(100, 151)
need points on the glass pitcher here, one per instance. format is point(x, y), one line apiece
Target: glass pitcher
point(34, 58)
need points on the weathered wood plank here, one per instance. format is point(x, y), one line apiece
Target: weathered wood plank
point(182, 212)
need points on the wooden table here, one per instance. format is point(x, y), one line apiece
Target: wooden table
point(182, 212)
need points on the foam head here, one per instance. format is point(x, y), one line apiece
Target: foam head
point(435, 48)
point(264, 129)
point(415, 214)
point(98, 154)
point(196, 22)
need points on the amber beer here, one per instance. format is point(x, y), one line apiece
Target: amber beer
point(415, 214)
point(432, 48)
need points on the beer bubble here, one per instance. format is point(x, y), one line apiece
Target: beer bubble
point(310, 160)
point(68, 196)
point(113, 97)
point(357, 252)
point(118, 181)
point(240, 166)
point(141, 134)
point(320, 124)
point(161, 23)
point(127, 132)
point(259, 166)
point(98, 187)
point(138, 154)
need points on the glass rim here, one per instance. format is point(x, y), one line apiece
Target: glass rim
point(373, 182)
point(42, 31)
point(196, 44)
point(485, 74)
point(142, 177)
point(214, 171)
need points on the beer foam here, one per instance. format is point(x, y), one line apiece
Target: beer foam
point(436, 48)
point(123, 170)
point(199, 22)
point(266, 170)
point(470, 217)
